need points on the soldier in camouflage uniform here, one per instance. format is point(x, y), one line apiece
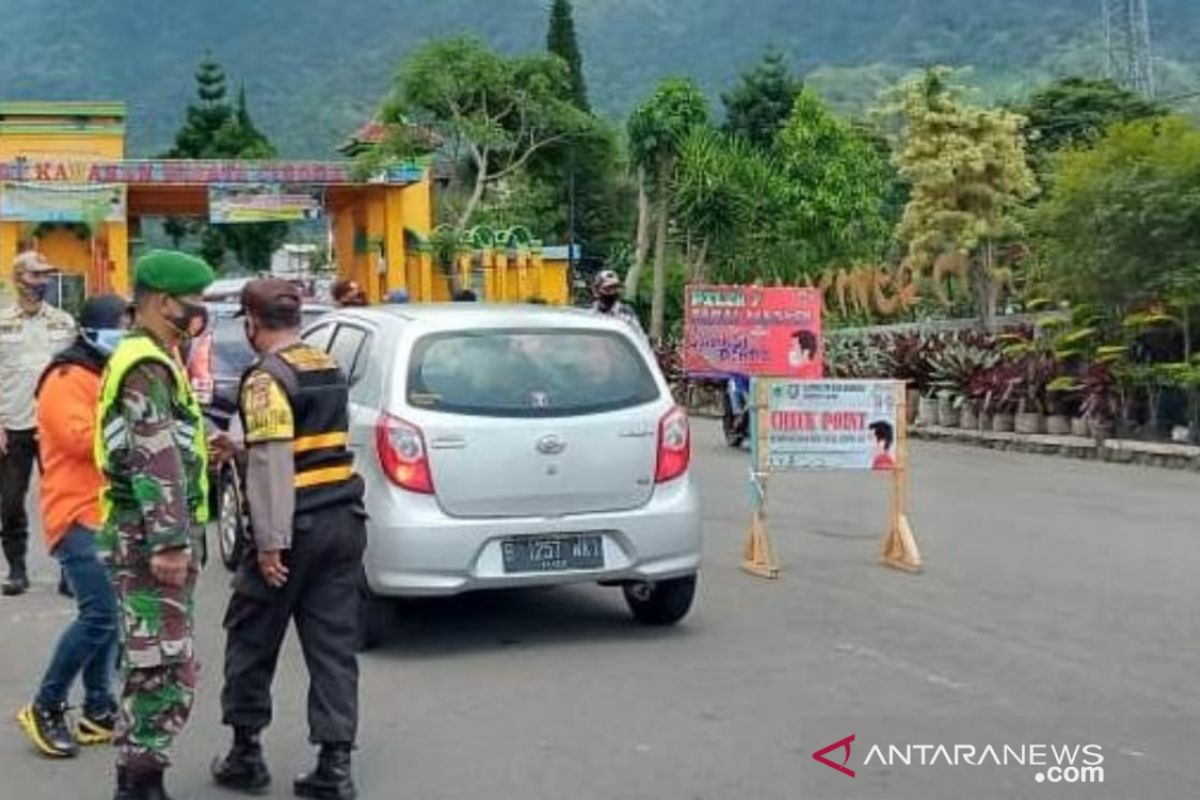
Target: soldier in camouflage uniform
point(150, 444)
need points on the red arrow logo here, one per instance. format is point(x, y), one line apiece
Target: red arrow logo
point(844, 744)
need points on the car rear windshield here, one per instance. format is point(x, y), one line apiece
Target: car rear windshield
point(528, 373)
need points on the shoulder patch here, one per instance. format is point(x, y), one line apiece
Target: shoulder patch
point(308, 359)
point(265, 407)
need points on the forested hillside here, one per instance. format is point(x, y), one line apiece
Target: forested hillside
point(315, 68)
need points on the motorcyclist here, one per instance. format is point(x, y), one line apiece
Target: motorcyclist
point(606, 288)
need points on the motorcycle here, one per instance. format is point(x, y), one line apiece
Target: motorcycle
point(735, 421)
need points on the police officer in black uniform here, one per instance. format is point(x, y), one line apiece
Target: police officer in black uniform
point(307, 516)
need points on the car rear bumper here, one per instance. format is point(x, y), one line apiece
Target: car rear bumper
point(415, 549)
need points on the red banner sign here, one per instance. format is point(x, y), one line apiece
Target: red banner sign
point(753, 330)
point(198, 172)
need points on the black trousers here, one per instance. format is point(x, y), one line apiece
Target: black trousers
point(16, 470)
point(323, 595)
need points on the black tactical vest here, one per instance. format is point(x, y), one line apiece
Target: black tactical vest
point(319, 397)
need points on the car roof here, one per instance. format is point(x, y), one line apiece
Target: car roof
point(224, 308)
point(454, 316)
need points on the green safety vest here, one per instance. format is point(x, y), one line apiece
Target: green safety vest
point(189, 430)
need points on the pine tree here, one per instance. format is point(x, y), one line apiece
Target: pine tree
point(762, 102)
point(215, 129)
point(562, 42)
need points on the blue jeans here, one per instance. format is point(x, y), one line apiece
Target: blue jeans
point(89, 644)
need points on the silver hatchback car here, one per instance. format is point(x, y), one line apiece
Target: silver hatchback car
point(513, 446)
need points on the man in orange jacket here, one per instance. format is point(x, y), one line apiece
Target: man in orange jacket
point(68, 402)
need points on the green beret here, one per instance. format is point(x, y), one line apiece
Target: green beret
point(172, 272)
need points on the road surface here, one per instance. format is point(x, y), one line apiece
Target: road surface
point(1058, 606)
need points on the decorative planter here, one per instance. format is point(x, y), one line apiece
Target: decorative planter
point(1029, 423)
point(985, 420)
point(948, 415)
point(970, 418)
point(927, 411)
point(1079, 427)
point(1003, 423)
point(1058, 425)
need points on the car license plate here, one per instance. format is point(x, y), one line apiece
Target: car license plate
point(553, 553)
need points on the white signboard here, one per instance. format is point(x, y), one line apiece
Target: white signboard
point(825, 424)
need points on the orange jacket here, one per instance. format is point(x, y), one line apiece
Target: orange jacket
point(68, 403)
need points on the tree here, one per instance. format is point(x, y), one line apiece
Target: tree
point(1076, 112)
point(562, 42)
point(214, 129)
point(1121, 225)
point(494, 111)
point(837, 189)
point(762, 101)
point(710, 196)
point(585, 170)
point(657, 130)
point(968, 171)
point(206, 116)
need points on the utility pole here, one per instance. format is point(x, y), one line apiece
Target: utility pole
point(571, 220)
point(1127, 40)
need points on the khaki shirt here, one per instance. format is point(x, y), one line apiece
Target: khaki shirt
point(27, 343)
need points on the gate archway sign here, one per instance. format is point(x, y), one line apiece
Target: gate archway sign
point(829, 425)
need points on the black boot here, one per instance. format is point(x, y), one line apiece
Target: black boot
point(140, 785)
point(331, 780)
point(18, 579)
point(244, 769)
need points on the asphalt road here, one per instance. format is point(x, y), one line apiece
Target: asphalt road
point(1058, 606)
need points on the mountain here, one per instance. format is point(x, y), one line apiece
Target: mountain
point(315, 69)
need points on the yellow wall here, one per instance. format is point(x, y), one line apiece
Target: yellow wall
point(68, 252)
point(62, 248)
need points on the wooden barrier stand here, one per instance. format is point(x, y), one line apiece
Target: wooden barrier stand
point(834, 416)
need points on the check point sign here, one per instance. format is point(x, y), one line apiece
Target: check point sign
point(842, 745)
point(807, 425)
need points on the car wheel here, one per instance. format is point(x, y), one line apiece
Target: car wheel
point(231, 525)
point(731, 423)
point(375, 617)
point(662, 602)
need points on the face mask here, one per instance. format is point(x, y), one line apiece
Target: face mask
point(105, 339)
point(34, 292)
point(607, 301)
point(191, 322)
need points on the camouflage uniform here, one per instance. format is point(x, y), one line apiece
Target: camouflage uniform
point(156, 481)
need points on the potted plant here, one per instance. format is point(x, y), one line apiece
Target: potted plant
point(1061, 394)
point(949, 405)
point(1099, 405)
point(955, 369)
point(1004, 396)
point(977, 412)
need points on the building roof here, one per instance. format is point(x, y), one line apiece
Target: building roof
point(375, 131)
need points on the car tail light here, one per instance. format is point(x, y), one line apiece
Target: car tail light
point(674, 446)
point(402, 454)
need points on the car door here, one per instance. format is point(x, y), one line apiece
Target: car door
point(353, 347)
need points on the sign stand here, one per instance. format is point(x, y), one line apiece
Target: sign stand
point(759, 558)
point(899, 549)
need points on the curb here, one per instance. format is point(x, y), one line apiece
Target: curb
point(1117, 451)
